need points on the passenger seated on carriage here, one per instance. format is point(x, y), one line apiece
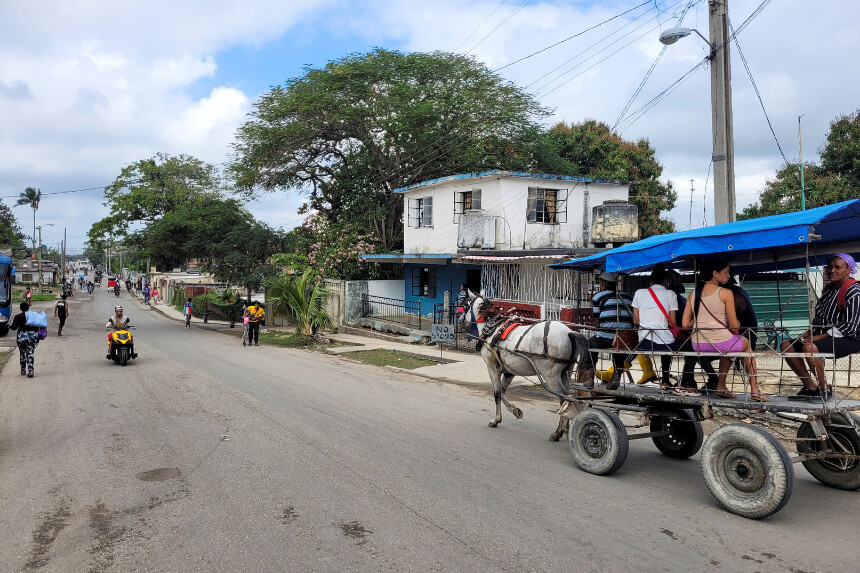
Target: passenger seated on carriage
point(838, 308)
point(711, 313)
point(655, 313)
point(749, 328)
point(614, 316)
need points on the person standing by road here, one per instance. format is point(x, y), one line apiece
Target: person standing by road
point(187, 311)
point(28, 296)
point(146, 294)
point(255, 314)
point(27, 339)
point(61, 310)
point(153, 292)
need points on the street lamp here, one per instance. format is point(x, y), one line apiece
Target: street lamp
point(723, 156)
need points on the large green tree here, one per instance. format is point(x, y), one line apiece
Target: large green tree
point(588, 149)
point(835, 179)
point(364, 125)
point(10, 233)
point(149, 188)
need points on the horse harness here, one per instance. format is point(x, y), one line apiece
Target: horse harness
point(499, 327)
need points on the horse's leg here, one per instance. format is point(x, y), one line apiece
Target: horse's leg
point(495, 377)
point(506, 380)
point(562, 378)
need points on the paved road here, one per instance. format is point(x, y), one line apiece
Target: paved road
point(204, 456)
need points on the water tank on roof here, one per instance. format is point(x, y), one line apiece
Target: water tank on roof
point(614, 222)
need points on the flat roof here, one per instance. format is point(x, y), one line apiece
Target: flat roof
point(499, 172)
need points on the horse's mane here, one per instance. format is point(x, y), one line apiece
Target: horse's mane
point(486, 309)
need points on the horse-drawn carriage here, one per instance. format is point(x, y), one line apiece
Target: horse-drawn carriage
point(744, 464)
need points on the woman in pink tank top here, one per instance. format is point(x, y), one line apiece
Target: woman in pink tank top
point(710, 311)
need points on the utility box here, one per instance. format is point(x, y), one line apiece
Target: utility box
point(614, 222)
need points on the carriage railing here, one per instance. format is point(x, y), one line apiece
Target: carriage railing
point(773, 373)
point(407, 312)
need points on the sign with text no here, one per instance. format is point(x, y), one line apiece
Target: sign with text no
point(442, 333)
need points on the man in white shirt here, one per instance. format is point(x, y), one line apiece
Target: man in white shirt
point(653, 322)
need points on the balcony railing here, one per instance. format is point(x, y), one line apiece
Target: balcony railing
point(406, 312)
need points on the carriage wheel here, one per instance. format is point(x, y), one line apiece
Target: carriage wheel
point(598, 441)
point(685, 434)
point(836, 472)
point(747, 470)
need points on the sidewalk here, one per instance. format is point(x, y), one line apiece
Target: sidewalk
point(173, 314)
point(461, 367)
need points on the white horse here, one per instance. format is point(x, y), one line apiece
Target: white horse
point(548, 349)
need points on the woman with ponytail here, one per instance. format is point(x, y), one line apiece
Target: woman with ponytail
point(710, 312)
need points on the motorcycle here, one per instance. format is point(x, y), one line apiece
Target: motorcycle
point(90, 288)
point(122, 346)
point(116, 291)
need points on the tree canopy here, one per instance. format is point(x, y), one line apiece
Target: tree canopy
point(835, 179)
point(588, 149)
point(365, 125)
point(147, 189)
point(10, 233)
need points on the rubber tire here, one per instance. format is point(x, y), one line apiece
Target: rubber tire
point(686, 438)
point(123, 356)
point(822, 470)
point(769, 482)
point(609, 452)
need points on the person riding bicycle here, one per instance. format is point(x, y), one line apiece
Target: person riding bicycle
point(116, 322)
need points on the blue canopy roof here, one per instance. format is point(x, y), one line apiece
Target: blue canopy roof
point(755, 245)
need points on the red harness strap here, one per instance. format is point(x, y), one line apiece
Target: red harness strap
point(508, 330)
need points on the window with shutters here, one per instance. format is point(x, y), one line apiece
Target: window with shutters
point(420, 212)
point(466, 201)
point(547, 205)
point(424, 281)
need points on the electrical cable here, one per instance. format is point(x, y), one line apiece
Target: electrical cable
point(522, 5)
point(479, 25)
point(755, 87)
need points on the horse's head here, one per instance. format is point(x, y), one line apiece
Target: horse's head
point(476, 306)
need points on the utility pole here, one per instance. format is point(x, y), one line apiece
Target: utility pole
point(40, 259)
point(802, 185)
point(64, 251)
point(725, 209)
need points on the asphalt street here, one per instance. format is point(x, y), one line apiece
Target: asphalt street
point(202, 455)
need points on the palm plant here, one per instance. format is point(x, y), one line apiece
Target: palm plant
point(300, 298)
point(31, 196)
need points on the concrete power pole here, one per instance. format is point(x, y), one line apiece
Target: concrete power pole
point(40, 260)
point(721, 113)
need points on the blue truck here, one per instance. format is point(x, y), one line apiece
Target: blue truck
point(7, 278)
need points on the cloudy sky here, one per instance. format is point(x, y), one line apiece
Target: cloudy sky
point(89, 86)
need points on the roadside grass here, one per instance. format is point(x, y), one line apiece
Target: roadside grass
point(38, 297)
point(386, 357)
point(296, 340)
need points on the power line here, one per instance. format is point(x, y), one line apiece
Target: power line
point(58, 192)
point(571, 37)
point(755, 87)
point(522, 5)
point(479, 25)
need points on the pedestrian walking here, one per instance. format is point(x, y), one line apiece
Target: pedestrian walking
point(27, 339)
point(187, 311)
point(146, 294)
point(28, 295)
point(255, 314)
point(153, 292)
point(61, 311)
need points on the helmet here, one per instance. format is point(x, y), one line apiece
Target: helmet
point(116, 308)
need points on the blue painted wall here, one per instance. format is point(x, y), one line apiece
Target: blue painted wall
point(449, 277)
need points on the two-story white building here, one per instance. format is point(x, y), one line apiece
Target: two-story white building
point(498, 230)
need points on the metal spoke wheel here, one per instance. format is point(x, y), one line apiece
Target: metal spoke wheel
point(598, 441)
point(747, 470)
point(685, 434)
point(842, 439)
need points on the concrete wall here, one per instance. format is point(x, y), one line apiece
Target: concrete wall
point(505, 198)
point(388, 289)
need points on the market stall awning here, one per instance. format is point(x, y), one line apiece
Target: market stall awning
point(755, 245)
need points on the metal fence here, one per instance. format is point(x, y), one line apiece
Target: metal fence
point(450, 314)
point(406, 312)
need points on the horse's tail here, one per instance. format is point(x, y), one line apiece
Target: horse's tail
point(579, 350)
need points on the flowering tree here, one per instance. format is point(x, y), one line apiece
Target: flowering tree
point(335, 251)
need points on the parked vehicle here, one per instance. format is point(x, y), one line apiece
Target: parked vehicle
point(7, 279)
